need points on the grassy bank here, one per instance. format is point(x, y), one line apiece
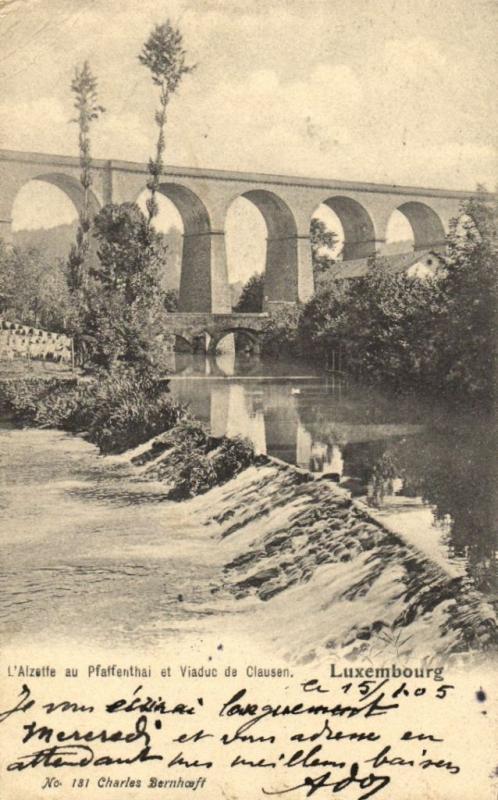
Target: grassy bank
point(122, 410)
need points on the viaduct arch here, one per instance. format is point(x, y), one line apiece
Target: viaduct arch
point(359, 231)
point(67, 184)
point(281, 263)
point(196, 252)
point(203, 197)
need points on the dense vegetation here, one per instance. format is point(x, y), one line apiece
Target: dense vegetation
point(34, 289)
point(433, 335)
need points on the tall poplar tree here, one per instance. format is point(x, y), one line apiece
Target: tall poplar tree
point(165, 57)
point(84, 89)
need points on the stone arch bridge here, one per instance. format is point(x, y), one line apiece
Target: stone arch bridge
point(203, 332)
point(203, 197)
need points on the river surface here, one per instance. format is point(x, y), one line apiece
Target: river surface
point(432, 475)
point(91, 538)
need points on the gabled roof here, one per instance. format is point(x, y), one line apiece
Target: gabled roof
point(358, 267)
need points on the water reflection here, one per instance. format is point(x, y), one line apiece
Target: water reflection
point(317, 423)
point(386, 450)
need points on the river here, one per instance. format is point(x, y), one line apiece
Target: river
point(432, 475)
point(92, 538)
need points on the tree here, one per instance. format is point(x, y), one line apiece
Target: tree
point(124, 295)
point(170, 300)
point(164, 56)
point(323, 242)
point(383, 322)
point(251, 298)
point(33, 289)
point(325, 319)
point(281, 335)
point(434, 334)
point(466, 335)
point(84, 89)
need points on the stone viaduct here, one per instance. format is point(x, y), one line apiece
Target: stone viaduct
point(203, 197)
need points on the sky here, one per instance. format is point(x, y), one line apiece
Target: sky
point(397, 91)
point(384, 90)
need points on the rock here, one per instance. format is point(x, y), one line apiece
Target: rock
point(259, 578)
point(270, 591)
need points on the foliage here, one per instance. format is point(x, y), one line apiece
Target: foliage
point(281, 335)
point(251, 298)
point(324, 319)
point(170, 300)
point(124, 312)
point(323, 242)
point(165, 57)
point(84, 89)
point(24, 396)
point(465, 340)
point(191, 433)
point(388, 326)
point(129, 409)
point(33, 290)
point(433, 334)
point(117, 411)
point(232, 456)
point(196, 474)
point(198, 465)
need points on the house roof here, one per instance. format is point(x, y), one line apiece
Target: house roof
point(358, 267)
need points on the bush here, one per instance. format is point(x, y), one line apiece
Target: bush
point(61, 409)
point(43, 403)
point(191, 433)
point(434, 334)
point(196, 474)
point(281, 336)
point(199, 462)
point(130, 408)
point(23, 396)
point(251, 297)
point(117, 410)
point(232, 456)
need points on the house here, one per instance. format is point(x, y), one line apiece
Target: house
point(417, 265)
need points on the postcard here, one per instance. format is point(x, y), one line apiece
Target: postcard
point(248, 302)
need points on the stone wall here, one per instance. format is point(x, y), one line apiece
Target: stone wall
point(26, 342)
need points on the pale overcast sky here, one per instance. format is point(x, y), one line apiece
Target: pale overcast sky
point(399, 91)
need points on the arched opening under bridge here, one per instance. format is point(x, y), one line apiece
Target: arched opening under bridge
point(427, 227)
point(358, 232)
point(269, 246)
point(184, 222)
point(45, 213)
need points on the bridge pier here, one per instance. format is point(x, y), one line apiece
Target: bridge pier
point(288, 270)
point(204, 284)
point(203, 198)
point(305, 279)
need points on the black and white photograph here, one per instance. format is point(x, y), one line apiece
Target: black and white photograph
point(248, 340)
